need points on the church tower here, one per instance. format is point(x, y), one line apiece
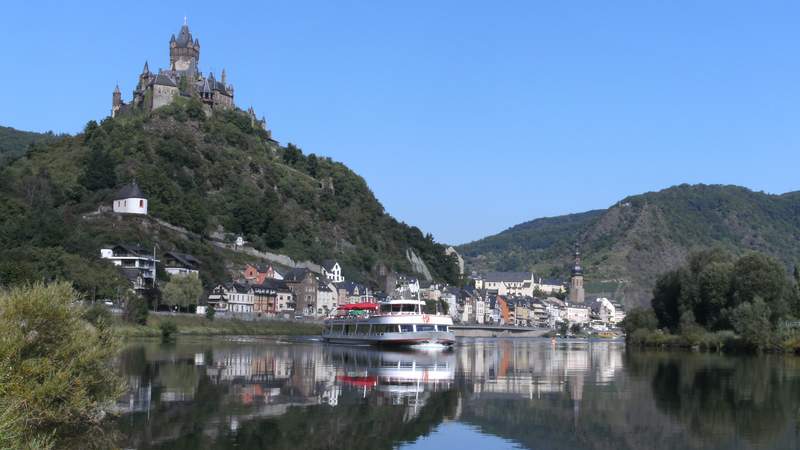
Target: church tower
point(184, 52)
point(576, 294)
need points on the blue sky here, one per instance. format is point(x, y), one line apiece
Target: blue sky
point(464, 117)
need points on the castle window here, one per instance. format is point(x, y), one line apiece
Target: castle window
point(141, 203)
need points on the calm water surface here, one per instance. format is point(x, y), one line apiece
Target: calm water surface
point(485, 394)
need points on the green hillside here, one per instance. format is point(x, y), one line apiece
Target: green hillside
point(626, 246)
point(14, 143)
point(216, 176)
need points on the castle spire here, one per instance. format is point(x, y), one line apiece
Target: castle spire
point(146, 68)
point(116, 89)
point(223, 77)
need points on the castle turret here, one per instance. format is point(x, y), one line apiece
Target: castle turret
point(224, 78)
point(184, 51)
point(116, 101)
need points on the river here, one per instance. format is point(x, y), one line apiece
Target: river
point(515, 393)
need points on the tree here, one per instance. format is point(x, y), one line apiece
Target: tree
point(210, 312)
point(751, 321)
point(57, 376)
point(135, 308)
point(99, 172)
point(182, 291)
point(666, 297)
point(759, 275)
point(639, 319)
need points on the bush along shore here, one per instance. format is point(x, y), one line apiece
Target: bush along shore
point(186, 324)
point(719, 302)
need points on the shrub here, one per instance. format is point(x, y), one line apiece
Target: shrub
point(97, 315)
point(168, 329)
point(55, 374)
point(210, 312)
point(135, 309)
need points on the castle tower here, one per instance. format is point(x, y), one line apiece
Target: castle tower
point(184, 51)
point(576, 294)
point(116, 101)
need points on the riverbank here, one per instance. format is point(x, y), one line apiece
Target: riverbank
point(192, 325)
point(715, 341)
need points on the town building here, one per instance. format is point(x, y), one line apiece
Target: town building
point(576, 313)
point(272, 297)
point(332, 270)
point(181, 264)
point(258, 273)
point(240, 297)
point(352, 292)
point(607, 311)
point(130, 200)
point(576, 294)
point(304, 285)
point(327, 298)
point(138, 264)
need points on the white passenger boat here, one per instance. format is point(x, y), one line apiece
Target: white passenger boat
point(394, 322)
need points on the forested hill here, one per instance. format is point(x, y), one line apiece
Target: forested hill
point(218, 176)
point(627, 245)
point(14, 143)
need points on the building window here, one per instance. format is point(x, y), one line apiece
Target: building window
point(141, 203)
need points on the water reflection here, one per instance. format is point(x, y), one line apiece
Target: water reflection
point(523, 393)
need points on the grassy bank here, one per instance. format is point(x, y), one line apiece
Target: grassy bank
point(719, 341)
point(201, 326)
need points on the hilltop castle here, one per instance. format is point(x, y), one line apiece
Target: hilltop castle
point(182, 79)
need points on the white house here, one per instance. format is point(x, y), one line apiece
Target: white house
point(240, 298)
point(130, 200)
point(607, 311)
point(136, 263)
point(576, 314)
point(327, 296)
point(332, 271)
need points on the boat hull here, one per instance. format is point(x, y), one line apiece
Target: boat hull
point(443, 338)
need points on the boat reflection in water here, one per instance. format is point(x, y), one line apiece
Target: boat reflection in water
point(401, 377)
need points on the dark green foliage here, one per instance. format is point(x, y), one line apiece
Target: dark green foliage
point(168, 330)
point(97, 315)
point(751, 320)
point(135, 309)
point(752, 295)
point(14, 143)
point(210, 312)
point(639, 319)
point(99, 170)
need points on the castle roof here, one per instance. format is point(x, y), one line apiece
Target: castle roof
point(130, 190)
point(164, 80)
point(184, 37)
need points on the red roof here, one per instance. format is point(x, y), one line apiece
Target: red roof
point(356, 306)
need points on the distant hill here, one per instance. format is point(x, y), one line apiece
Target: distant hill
point(627, 245)
point(217, 176)
point(14, 143)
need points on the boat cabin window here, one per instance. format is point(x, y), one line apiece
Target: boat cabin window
point(441, 327)
point(406, 328)
point(380, 329)
point(426, 327)
point(362, 329)
point(348, 329)
point(398, 308)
